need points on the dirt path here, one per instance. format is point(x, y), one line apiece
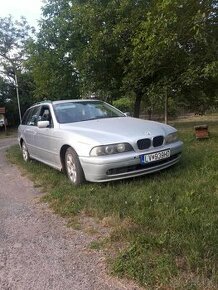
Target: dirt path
point(37, 250)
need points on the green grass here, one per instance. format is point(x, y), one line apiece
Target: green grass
point(10, 132)
point(168, 221)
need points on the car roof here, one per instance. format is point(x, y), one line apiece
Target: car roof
point(74, 101)
point(64, 101)
point(47, 102)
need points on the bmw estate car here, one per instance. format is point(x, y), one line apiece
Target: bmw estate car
point(92, 140)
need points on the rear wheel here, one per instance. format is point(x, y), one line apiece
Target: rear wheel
point(25, 152)
point(73, 167)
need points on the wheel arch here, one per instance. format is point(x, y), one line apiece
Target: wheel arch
point(72, 165)
point(62, 155)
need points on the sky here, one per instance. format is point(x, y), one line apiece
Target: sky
point(30, 9)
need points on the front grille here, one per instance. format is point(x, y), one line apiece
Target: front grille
point(158, 141)
point(144, 144)
point(139, 167)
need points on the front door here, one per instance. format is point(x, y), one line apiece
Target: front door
point(45, 139)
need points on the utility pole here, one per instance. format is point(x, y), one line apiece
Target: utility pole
point(17, 92)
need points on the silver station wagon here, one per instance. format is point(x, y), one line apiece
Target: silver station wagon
point(91, 140)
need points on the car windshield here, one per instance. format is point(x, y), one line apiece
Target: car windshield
point(71, 112)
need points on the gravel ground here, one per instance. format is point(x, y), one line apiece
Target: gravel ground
point(37, 250)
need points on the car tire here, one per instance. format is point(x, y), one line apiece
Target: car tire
point(25, 152)
point(73, 167)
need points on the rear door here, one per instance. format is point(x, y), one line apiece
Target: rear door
point(29, 129)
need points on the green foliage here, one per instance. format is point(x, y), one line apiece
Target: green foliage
point(146, 50)
point(13, 38)
point(171, 234)
point(175, 49)
point(106, 29)
point(51, 55)
point(149, 50)
point(124, 104)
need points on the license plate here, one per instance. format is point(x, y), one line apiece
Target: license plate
point(151, 157)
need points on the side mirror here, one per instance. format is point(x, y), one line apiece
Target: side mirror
point(43, 124)
point(127, 114)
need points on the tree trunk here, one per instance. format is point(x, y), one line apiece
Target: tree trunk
point(149, 114)
point(137, 105)
point(166, 109)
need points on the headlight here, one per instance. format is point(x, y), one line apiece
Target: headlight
point(111, 149)
point(170, 138)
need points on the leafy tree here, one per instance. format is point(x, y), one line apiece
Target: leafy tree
point(84, 40)
point(5, 92)
point(50, 56)
point(175, 49)
point(152, 51)
point(8, 98)
point(13, 37)
point(105, 30)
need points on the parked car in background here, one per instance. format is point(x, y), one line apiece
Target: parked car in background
point(1, 122)
point(91, 140)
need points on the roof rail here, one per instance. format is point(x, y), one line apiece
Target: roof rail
point(41, 102)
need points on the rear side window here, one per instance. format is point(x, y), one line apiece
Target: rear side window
point(25, 116)
point(31, 117)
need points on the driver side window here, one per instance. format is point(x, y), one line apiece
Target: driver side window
point(45, 115)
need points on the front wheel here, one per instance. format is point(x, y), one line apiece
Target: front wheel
point(25, 152)
point(73, 167)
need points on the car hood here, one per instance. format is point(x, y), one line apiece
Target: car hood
point(113, 130)
point(121, 129)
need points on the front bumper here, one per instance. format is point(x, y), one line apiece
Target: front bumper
point(126, 165)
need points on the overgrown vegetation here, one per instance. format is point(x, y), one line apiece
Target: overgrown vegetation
point(14, 35)
point(160, 53)
point(151, 51)
point(10, 132)
point(169, 232)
